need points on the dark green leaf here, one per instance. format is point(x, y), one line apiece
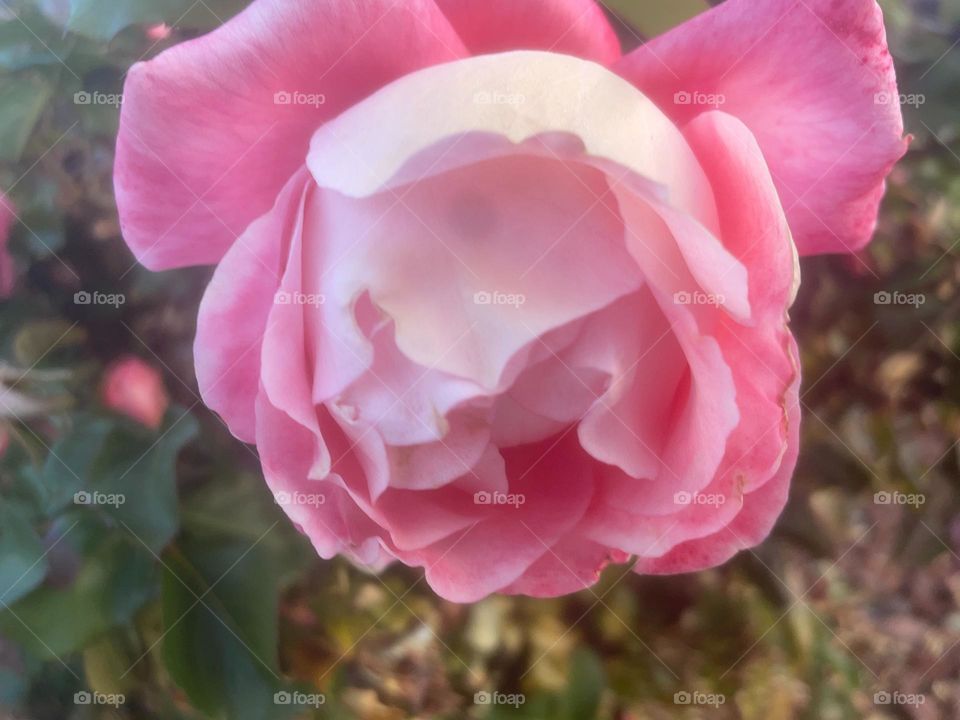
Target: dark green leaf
point(221, 650)
point(22, 101)
point(138, 470)
point(22, 562)
point(67, 468)
point(584, 685)
point(115, 580)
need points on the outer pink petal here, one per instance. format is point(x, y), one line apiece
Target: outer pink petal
point(205, 142)
point(234, 311)
point(571, 565)
point(814, 81)
point(572, 27)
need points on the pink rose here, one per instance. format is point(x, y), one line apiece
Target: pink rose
point(7, 270)
point(135, 389)
point(159, 32)
point(493, 300)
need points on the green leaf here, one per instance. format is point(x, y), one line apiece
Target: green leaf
point(28, 39)
point(140, 469)
point(106, 662)
point(222, 650)
point(236, 551)
point(584, 686)
point(114, 581)
point(654, 17)
point(22, 101)
point(22, 562)
point(68, 466)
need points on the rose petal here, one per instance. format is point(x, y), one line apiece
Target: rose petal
point(517, 96)
point(442, 259)
point(571, 565)
point(233, 315)
point(815, 83)
point(762, 449)
point(205, 142)
point(555, 480)
point(753, 523)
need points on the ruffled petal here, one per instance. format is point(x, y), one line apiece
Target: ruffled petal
point(762, 449)
point(555, 481)
point(442, 260)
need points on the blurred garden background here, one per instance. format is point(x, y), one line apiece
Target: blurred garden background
point(145, 571)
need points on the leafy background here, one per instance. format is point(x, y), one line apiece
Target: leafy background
point(196, 599)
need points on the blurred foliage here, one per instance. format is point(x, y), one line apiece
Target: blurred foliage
point(195, 598)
